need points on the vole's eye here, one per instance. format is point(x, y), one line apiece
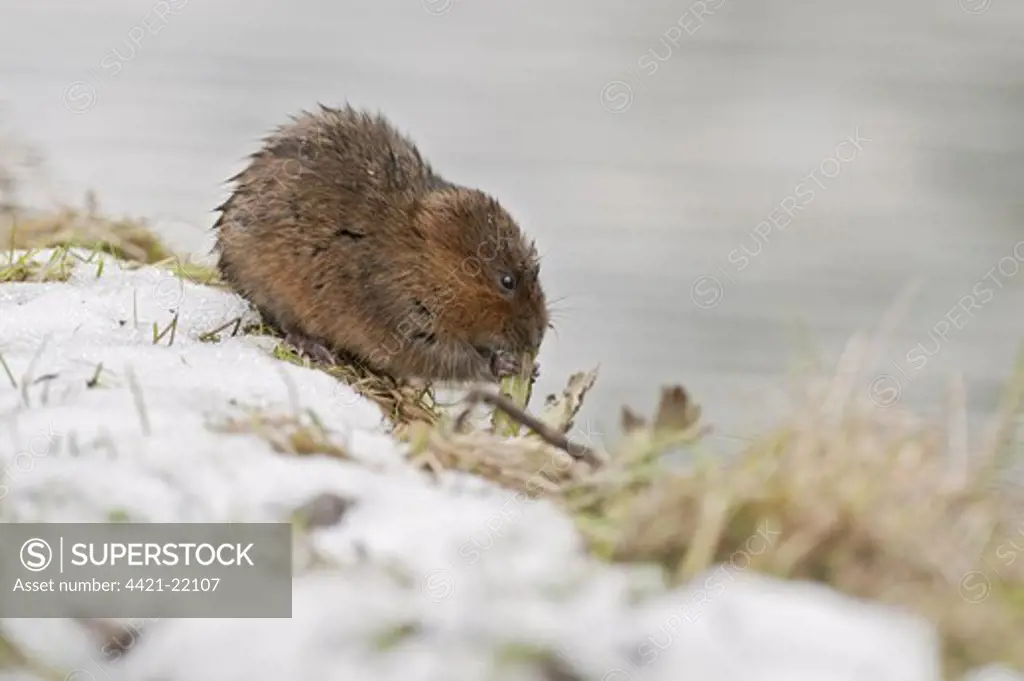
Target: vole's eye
point(508, 282)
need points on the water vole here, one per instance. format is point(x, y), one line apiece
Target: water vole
point(343, 236)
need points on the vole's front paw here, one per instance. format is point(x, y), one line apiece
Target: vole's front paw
point(505, 364)
point(315, 350)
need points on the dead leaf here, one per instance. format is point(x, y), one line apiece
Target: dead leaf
point(676, 410)
point(559, 411)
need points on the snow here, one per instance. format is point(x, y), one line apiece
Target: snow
point(468, 570)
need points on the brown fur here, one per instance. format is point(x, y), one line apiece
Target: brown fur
point(339, 231)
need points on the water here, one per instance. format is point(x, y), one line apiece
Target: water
point(662, 156)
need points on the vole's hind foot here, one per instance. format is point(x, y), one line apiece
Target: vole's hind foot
point(316, 351)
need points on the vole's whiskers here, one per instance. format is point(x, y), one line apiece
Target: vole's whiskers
point(558, 300)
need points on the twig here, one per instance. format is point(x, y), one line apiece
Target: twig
point(553, 437)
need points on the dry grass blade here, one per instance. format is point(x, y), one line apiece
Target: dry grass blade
point(300, 435)
point(213, 336)
point(402, 402)
point(525, 465)
point(124, 239)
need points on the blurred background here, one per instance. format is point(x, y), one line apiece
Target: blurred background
point(717, 187)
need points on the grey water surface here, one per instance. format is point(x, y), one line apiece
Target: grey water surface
point(714, 185)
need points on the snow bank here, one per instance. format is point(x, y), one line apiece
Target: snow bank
point(455, 579)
